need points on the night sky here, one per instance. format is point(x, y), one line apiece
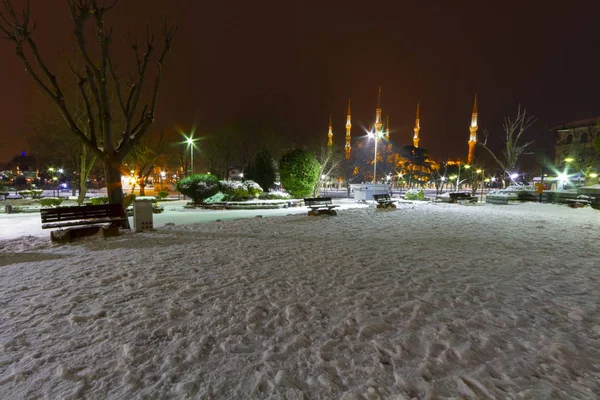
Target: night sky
point(300, 60)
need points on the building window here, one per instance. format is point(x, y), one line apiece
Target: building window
point(583, 138)
point(569, 139)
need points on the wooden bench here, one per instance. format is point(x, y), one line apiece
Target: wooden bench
point(94, 217)
point(384, 201)
point(320, 205)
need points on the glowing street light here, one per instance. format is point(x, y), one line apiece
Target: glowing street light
point(480, 171)
point(467, 166)
point(375, 135)
point(191, 144)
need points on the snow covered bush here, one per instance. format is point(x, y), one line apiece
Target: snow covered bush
point(199, 187)
point(233, 191)
point(51, 201)
point(36, 193)
point(253, 188)
point(25, 193)
point(275, 196)
point(414, 194)
point(163, 194)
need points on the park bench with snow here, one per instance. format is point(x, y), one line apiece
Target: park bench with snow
point(320, 205)
point(105, 218)
point(384, 201)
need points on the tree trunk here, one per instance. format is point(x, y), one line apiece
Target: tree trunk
point(142, 188)
point(82, 188)
point(82, 175)
point(114, 189)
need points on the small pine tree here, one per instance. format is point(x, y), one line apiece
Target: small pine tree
point(263, 169)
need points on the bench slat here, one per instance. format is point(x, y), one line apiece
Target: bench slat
point(81, 215)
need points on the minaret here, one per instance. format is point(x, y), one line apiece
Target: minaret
point(378, 123)
point(387, 127)
point(473, 130)
point(348, 128)
point(330, 134)
point(416, 129)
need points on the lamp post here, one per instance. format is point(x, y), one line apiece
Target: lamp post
point(375, 135)
point(480, 171)
point(467, 166)
point(190, 143)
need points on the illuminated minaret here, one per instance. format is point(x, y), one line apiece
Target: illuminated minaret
point(330, 134)
point(378, 123)
point(473, 130)
point(417, 128)
point(387, 127)
point(348, 128)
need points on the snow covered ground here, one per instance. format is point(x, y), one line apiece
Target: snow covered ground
point(427, 301)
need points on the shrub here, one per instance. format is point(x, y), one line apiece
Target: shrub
point(128, 200)
point(233, 191)
point(51, 201)
point(263, 169)
point(253, 188)
point(36, 193)
point(199, 187)
point(163, 194)
point(25, 193)
point(275, 196)
point(415, 194)
point(299, 172)
point(99, 200)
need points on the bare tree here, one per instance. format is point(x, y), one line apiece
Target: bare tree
point(513, 130)
point(144, 157)
point(95, 79)
point(329, 160)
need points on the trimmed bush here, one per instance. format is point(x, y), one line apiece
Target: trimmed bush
point(25, 193)
point(199, 187)
point(51, 201)
point(275, 196)
point(299, 172)
point(253, 188)
point(414, 194)
point(36, 193)
point(163, 194)
point(99, 200)
point(233, 191)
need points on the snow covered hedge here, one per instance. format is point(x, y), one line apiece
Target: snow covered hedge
point(51, 201)
point(237, 191)
point(414, 194)
point(199, 187)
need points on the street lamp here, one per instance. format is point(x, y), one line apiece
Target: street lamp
point(458, 178)
point(375, 135)
point(480, 171)
point(452, 177)
point(190, 142)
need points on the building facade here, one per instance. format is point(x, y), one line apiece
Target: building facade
point(575, 144)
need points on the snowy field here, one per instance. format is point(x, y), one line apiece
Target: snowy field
point(430, 301)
